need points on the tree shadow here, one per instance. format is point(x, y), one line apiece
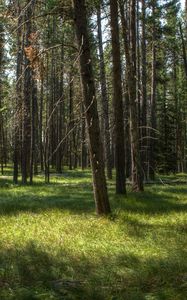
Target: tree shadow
point(150, 202)
point(76, 201)
point(174, 190)
point(32, 273)
point(79, 200)
point(141, 228)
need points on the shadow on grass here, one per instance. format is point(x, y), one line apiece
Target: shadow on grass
point(150, 202)
point(180, 191)
point(142, 229)
point(72, 176)
point(79, 199)
point(76, 201)
point(31, 273)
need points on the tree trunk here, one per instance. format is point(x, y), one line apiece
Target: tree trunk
point(33, 127)
point(117, 102)
point(71, 122)
point(153, 101)
point(17, 118)
point(144, 94)
point(130, 53)
point(26, 140)
point(61, 113)
point(1, 104)
point(104, 99)
point(90, 105)
point(41, 126)
point(83, 141)
point(183, 49)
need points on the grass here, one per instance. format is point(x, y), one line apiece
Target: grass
point(53, 246)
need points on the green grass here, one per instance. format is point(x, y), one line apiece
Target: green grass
point(53, 246)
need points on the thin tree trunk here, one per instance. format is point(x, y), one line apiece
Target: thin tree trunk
point(183, 49)
point(33, 127)
point(104, 99)
point(144, 93)
point(153, 100)
point(138, 84)
point(71, 122)
point(41, 126)
point(17, 118)
point(117, 102)
point(1, 95)
point(26, 142)
point(61, 112)
point(47, 131)
point(83, 142)
point(130, 53)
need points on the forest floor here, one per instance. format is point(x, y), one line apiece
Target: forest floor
point(53, 246)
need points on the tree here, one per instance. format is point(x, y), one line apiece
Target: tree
point(1, 96)
point(104, 99)
point(153, 97)
point(144, 91)
point(47, 127)
point(130, 55)
point(90, 106)
point(27, 94)
point(17, 113)
point(117, 101)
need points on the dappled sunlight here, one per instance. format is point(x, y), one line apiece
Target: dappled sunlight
point(64, 273)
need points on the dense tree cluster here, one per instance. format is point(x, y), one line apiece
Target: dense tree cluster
point(93, 84)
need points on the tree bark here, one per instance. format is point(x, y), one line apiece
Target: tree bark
point(71, 122)
point(104, 98)
point(183, 50)
point(153, 100)
point(117, 102)
point(144, 93)
point(130, 54)
point(17, 118)
point(61, 113)
point(26, 137)
point(1, 104)
point(83, 140)
point(90, 105)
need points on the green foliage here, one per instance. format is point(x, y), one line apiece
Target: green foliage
point(52, 245)
point(51, 4)
point(3, 109)
point(92, 5)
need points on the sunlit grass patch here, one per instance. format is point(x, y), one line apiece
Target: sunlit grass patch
point(53, 246)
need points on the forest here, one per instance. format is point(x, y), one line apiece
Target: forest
point(93, 149)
